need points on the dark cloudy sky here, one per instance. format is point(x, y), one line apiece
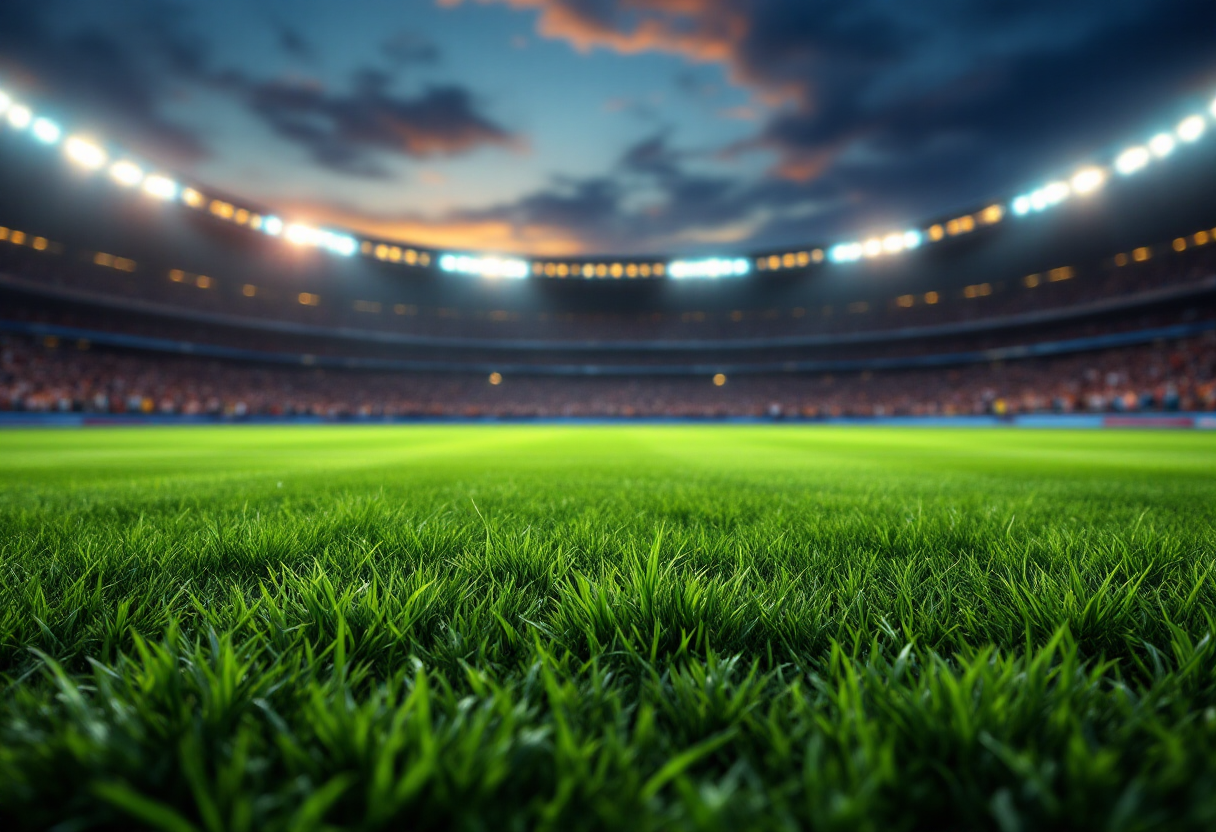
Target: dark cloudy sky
point(561, 126)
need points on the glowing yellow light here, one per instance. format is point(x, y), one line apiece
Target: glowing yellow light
point(936, 232)
point(177, 275)
point(242, 216)
point(562, 270)
point(932, 298)
point(202, 281)
point(905, 300)
point(1088, 180)
point(1180, 244)
point(659, 268)
point(1202, 238)
point(789, 260)
point(1141, 254)
point(1120, 259)
point(774, 262)
point(1031, 281)
point(719, 379)
point(249, 290)
point(804, 257)
point(17, 238)
point(601, 270)
point(495, 378)
point(39, 244)
point(84, 153)
point(192, 198)
point(631, 270)
point(966, 224)
point(394, 254)
point(411, 256)
point(644, 270)
point(617, 270)
point(992, 214)
point(817, 256)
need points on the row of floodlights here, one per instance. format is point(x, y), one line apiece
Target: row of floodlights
point(1131, 161)
point(91, 156)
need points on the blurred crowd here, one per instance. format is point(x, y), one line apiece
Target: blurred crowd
point(46, 375)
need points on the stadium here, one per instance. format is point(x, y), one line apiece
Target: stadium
point(319, 525)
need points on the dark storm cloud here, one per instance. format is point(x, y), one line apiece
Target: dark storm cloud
point(894, 110)
point(649, 200)
point(407, 48)
point(295, 45)
point(97, 76)
point(351, 131)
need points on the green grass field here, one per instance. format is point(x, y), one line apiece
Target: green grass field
point(602, 627)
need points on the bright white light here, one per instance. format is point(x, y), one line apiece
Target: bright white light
point(302, 235)
point(1190, 129)
point(126, 173)
point(1212, 109)
point(1161, 144)
point(1132, 160)
point(709, 267)
point(85, 153)
point(161, 187)
point(19, 116)
point(484, 266)
point(1088, 180)
point(893, 243)
point(342, 244)
point(913, 239)
point(872, 247)
point(1022, 206)
point(6, 101)
point(272, 226)
point(1049, 195)
point(1057, 192)
point(845, 252)
point(46, 131)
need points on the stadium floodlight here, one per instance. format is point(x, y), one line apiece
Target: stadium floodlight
point(46, 131)
point(710, 267)
point(872, 247)
point(1022, 205)
point(487, 266)
point(893, 243)
point(1088, 180)
point(161, 187)
point(6, 101)
point(19, 116)
point(342, 244)
point(1132, 160)
point(272, 226)
point(1190, 129)
point(845, 252)
point(84, 153)
point(127, 174)
point(913, 239)
point(1162, 145)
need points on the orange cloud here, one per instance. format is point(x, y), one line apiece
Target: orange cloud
point(448, 233)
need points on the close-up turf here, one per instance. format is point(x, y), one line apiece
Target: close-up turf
point(642, 627)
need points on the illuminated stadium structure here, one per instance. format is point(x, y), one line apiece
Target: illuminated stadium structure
point(92, 155)
point(97, 271)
